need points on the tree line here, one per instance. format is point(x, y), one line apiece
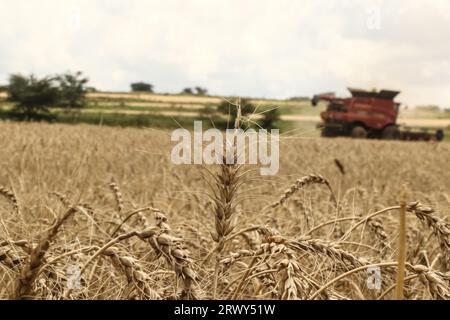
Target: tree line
point(33, 97)
point(149, 88)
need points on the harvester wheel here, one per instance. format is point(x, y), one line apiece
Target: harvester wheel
point(390, 133)
point(359, 132)
point(328, 132)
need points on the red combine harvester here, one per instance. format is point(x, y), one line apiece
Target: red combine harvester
point(368, 114)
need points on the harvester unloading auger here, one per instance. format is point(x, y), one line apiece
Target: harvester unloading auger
point(368, 114)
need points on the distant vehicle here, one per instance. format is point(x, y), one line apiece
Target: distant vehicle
point(368, 114)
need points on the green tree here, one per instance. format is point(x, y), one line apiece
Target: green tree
point(201, 91)
point(142, 87)
point(187, 91)
point(32, 95)
point(72, 88)
point(269, 118)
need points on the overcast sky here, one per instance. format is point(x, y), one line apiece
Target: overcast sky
point(249, 48)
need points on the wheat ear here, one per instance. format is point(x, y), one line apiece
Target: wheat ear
point(135, 275)
point(8, 194)
point(300, 184)
point(24, 285)
point(441, 229)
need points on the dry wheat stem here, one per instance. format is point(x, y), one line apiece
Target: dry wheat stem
point(135, 212)
point(328, 223)
point(24, 285)
point(64, 255)
point(348, 273)
point(367, 218)
point(399, 293)
point(244, 277)
point(392, 287)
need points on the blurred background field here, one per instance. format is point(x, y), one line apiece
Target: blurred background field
point(130, 109)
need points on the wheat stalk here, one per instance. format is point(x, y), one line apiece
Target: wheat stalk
point(224, 199)
point(399, 295)
point(24, 285)
point(302, 183)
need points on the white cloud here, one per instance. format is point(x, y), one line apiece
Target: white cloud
point(259, 48)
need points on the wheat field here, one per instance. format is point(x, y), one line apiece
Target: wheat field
point(108, 203)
